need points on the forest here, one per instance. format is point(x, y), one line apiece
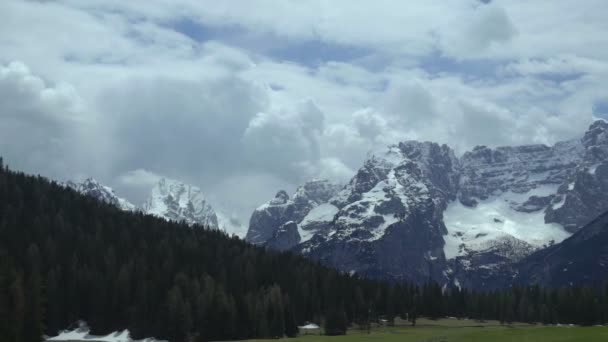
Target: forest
point(66, 257)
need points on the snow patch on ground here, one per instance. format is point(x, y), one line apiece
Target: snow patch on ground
point(83, 335)
point(309, 326)
point(495, 219)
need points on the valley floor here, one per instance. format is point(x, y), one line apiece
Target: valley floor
point(449, 330)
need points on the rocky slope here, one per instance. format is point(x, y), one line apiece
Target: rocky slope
point(266, 223)
point(580, 259)
point(418, 212)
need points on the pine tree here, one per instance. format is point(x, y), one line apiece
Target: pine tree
point(276, 312)
point(335, 322)
point(291, 327)
point(18, 306)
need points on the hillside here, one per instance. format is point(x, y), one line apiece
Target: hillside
point(65, 256)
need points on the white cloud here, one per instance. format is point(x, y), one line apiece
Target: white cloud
point(472, 34)
point(285, 138)
point(120, 93)
point(43, 128)
point(139, 178)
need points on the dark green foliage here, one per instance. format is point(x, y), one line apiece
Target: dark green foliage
point(336, 322)
point(65, 257)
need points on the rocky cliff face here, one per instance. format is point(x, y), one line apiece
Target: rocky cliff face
point(581, 259)
point(268, 218)
point(418, 212)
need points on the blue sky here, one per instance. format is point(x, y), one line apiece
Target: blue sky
point(244, 98)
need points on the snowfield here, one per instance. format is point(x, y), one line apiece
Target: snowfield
point(323, 213)
point(495, 219)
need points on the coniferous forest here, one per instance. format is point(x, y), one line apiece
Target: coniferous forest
point(66, 257)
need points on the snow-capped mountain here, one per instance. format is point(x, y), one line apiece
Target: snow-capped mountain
point(92, 187)
point(266, 221)
point(177, 201)
point(172, 200)
point(418, 212)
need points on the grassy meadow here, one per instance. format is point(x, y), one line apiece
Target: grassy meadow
point(452, 330)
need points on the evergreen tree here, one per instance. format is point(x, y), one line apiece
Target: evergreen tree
point(335, 322)
point(65, 257)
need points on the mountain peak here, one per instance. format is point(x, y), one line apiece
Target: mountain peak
point(91, 187)
point(177, 201)
point(280, 198)
point(596, 135)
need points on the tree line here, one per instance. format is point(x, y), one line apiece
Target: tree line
point(66, 257)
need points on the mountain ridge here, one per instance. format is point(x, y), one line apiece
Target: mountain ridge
point(170, 199)
point(418, 212)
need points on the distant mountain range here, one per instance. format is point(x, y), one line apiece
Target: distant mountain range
point(417, 212)
point(172, 200)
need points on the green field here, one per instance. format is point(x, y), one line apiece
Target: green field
point(466, 331)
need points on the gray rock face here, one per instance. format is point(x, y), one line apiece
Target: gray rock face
point(93, 188)
point(519, 169)
point(583, 196)
point(268, 218)
point(580, 260)
point(286, 237)
point(418, 211)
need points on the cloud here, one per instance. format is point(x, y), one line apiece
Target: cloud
point(262, 95)
point(42, 126)
point(181, 128)
point(477, 31)
point(139, 178)
point(284, 139)
point(369, 123)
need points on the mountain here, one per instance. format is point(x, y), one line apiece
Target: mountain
point(418, 212)
point(580, 259)
point(176, 201)
point(169, 199)
point(66, 256)
point(93, 188)
point(266, 221)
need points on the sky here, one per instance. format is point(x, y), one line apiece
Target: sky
point(244, 98)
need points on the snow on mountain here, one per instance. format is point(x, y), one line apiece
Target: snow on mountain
point(92, 187)
point(474, 229)
point(172, 200)
point(417, 211)
point(267, 220)
point(316, 221)
point(581, 259)
point(176, 201)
